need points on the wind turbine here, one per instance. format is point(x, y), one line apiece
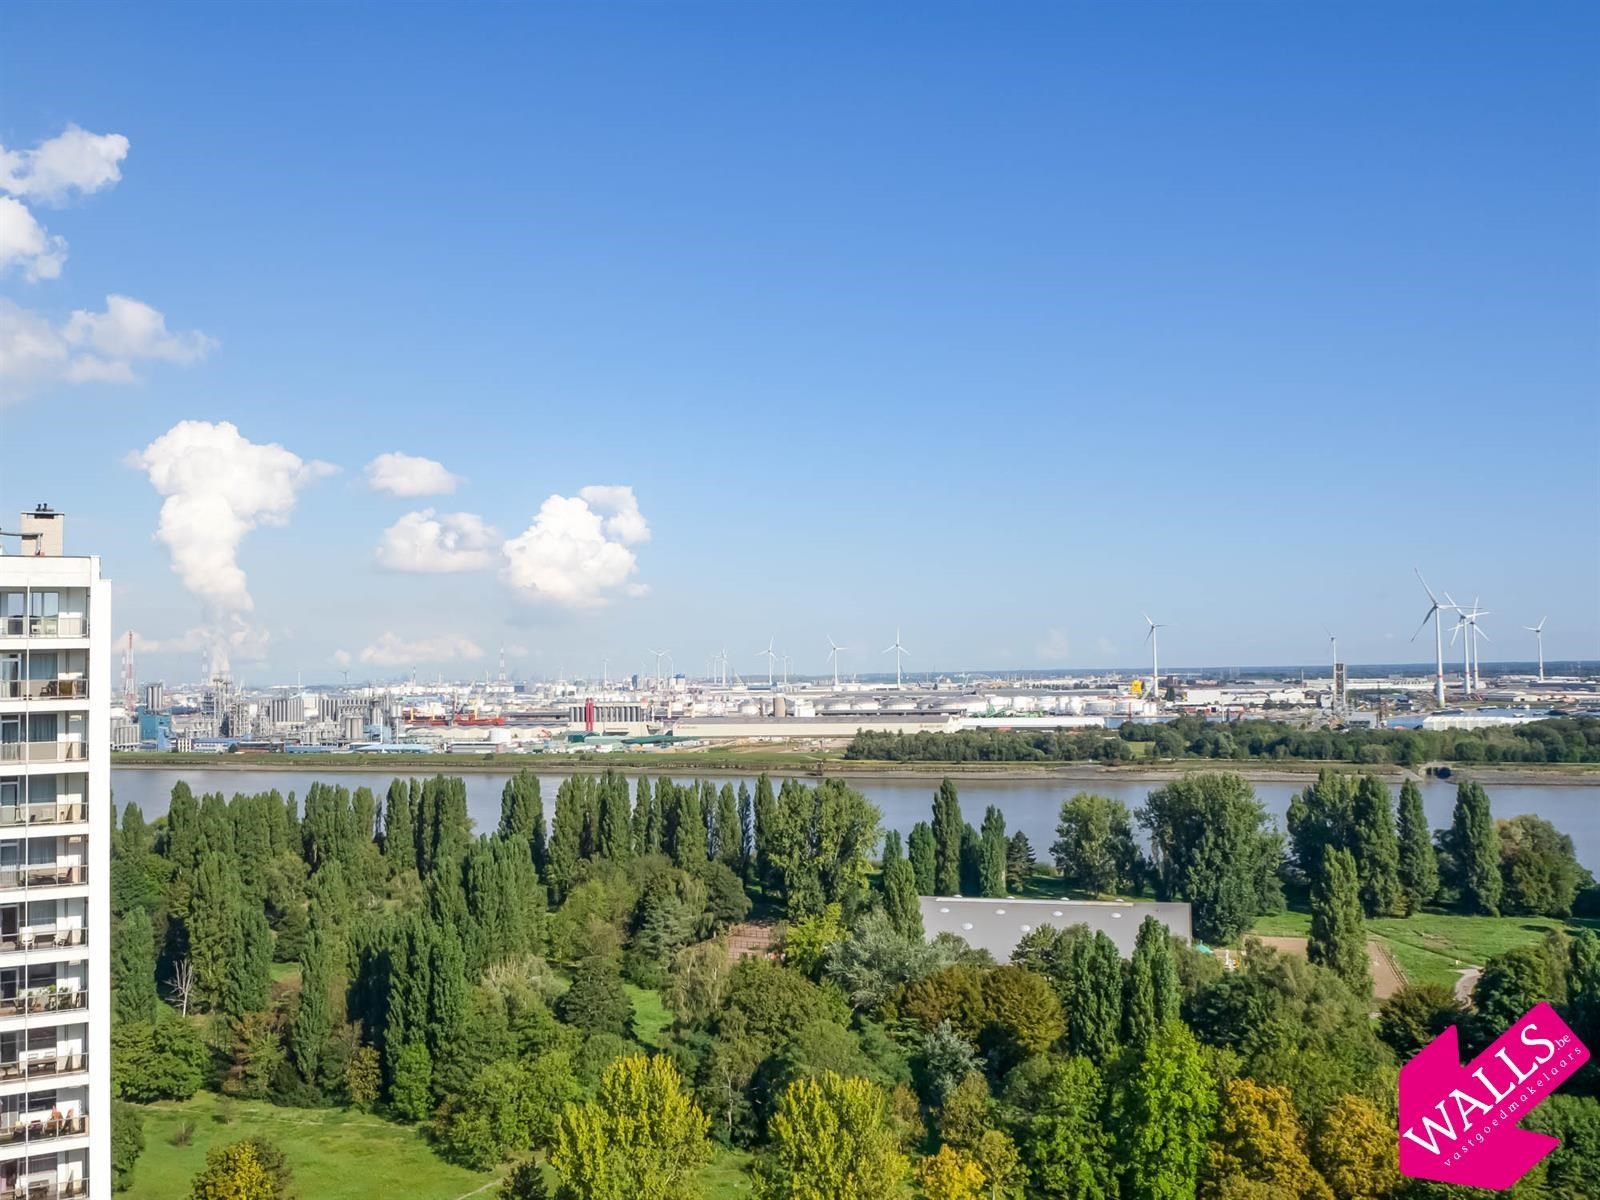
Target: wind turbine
point(1434, 609)
point(833, 656)
point(898, 651)
point(1538, 632)
point(771, 658)
point(1155, 664)
point(660, 654)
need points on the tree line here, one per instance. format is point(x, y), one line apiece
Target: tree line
point(1558, 740)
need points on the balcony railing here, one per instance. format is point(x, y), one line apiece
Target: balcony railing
point(39, 1127)
point(44, 1067)
point(46, 1189)
point(42, 752)
point(44, 626)
point(61, 812)
point(44, 1000)
point(43, 875)
point(44, 689)
point(43, 937)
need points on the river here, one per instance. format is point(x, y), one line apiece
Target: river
point(1028, 804)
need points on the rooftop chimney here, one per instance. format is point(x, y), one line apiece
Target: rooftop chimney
point(42, 532)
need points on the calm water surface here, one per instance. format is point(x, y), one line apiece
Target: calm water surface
point(1030, 805)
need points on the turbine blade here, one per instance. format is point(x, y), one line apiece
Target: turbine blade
point(1425, 586)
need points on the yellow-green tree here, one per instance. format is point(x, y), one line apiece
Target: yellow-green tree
point(1258, 1139)
point(640, 1138)
point(950, 1175)
point(831, 1139)
point(1001, 1162)
point(234, 1172)
point(1354, 1148)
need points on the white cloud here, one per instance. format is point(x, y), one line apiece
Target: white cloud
point(24, 243)
point(75, 160)
point(342, 658)
point(101, 347)
point(408, 475)
point(427, 543)
point(218, 487)
point(233, 639)
point(574, 555)
point(617, 504)
point(391, 650)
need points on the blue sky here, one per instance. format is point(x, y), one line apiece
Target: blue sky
point(999, 324)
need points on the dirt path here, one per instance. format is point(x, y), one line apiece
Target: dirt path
point(1386, 976)
point(1465, 982)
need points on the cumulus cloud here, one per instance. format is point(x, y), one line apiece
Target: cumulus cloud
point(575, 554)
point(102, 347)
point(75, 160)
point(430, 543)
point(392, 650)
point(219, 486)
point(617, 504)
point(233, 639)
point(25, 244)
point(342, 658)
point(408, 475)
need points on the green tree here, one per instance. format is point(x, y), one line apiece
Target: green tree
point(1511, 984)
point(921, 851)
point(1022, 1015)
point(1162, 1111)
point(900, 900)
point(1472, 846)
point(1539, 868)
point(1020, 862)
point(747, 831)
point(1153, 992)
point(831, 1138)
point(992, 853)
point(1376, 852)
point(1214, 847)
point(597, 1002)
point(411, 1084)
point(1418, 865)
point(507, 1107)
point(950, 1175)
point(640, 1138)
point(947, 829)
point(127, 1143)
point(1094, 847)
point(1090, 983)
point(313, 1017)
point(1338, 936)
point(525, 1181)
point(1066, 1149)
point(399, 826)
point(1258, 1140)
point(234, 1172)
point(522, 814)
point(1415, 1015)
point(133, 968)
point(160, 1060)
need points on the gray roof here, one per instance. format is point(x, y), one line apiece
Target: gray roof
point(997, 925)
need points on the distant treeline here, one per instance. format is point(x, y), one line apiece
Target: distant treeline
point(1559, 740)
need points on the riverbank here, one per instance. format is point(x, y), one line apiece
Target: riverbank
point(798, 764)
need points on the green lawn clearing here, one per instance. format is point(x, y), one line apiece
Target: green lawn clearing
point(650, 1016)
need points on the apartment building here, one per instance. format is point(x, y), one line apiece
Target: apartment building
point(55, 762)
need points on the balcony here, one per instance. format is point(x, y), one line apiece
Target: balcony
point(44, 627)
point(44, 1000)
point(59, 813)
point(43, 875)
point(48, 1066)
point(42, 937)
point(44, 689)
point(43, 752)
point(33, 1128)
point(46, 1189)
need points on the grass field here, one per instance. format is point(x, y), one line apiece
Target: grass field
point(650, 1015)
point(337, 1155)
point(1434, 947)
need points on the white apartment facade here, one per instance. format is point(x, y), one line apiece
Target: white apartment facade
point(55, 860)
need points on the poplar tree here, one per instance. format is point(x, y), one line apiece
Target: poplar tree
point(313, 1018)
point(215, 938)
point(133, 969)
point(992, 853)
point(747, 831)
point(615, 841)
point(947, 834)
point(730, 832)
point(566, 833)
point(1154, 992)
point(522, 814)
point(1338, 938)
point(900, 902)
point(1091, 993)
point(1375, 849)
point(766, 806)
point(1418, 867)
point(638, 821)
point(921, 852)
point(1161, 1115)
point(1473, 843)
point(399, 827)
